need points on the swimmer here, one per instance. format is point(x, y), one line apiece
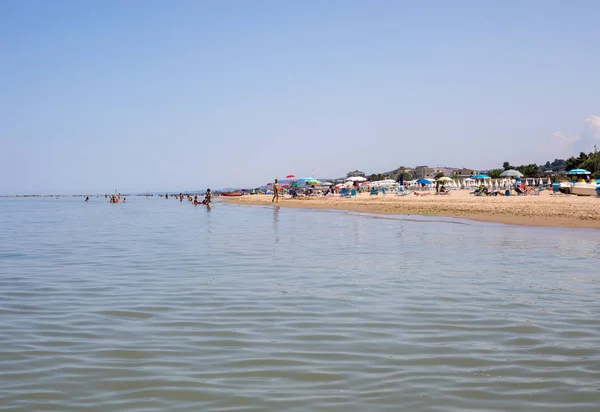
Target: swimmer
point(87, 198)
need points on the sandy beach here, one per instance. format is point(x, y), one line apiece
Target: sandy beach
point(543, 210)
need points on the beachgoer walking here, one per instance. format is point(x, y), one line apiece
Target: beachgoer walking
point(275, 191)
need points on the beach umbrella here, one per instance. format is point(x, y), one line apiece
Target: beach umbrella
point(306, 178)
point(424, 181)
point(444, 179)
point(327, 184)
point(578, 172)
point(356, 179)
point(290, 176)
point(549, 181)
point(269, 184)
point(481, 176)
point(314, 182)
point(511, 173)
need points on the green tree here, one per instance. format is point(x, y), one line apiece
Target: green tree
point(506, 166)
point(530, 170)
point(495, 173)
point(573, 163)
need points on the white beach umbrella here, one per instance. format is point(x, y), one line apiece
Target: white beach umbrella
point(356, 179)
point(549, 181)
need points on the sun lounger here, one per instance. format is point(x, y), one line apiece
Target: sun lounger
point(374, 192)
point(402, 191)
point(353, 193)
point(519, 191)
point(478, 191)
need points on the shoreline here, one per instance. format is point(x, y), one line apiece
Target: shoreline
point(543, 210)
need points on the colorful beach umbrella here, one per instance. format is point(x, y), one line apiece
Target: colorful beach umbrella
point(290, 176)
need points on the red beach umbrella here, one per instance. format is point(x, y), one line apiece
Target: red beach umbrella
point(290, 176)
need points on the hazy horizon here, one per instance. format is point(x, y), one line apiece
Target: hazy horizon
point(151, 96)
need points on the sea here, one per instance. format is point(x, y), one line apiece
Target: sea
point(159, 305)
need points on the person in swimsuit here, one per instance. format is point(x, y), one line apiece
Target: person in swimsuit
point(275, 191)
point(207, 197)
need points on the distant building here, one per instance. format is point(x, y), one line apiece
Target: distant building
point(463, 173)
point(424, 172)
point(356, 173)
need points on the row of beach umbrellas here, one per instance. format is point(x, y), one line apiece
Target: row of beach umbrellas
point(507, 176)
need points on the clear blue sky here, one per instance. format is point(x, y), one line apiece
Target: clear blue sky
point(156, 95)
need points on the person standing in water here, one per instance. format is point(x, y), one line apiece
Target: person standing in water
point(87, 198)
point(207, 197)
point(275, 191)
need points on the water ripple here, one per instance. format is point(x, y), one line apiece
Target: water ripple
point(156, 305)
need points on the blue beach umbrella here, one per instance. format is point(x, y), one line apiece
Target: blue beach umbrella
point(481, 176)
point(424, 181)
point(306, 178)
point(578, 172)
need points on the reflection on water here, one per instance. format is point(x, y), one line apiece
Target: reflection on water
point(155, 305)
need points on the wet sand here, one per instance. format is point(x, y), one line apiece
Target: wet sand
point(543, 210)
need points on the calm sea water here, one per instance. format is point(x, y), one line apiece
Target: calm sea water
point(158, 305)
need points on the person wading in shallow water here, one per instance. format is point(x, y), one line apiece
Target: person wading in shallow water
point(207, 198)
point(275, 191)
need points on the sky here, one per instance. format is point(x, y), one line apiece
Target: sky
point(156, 95)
